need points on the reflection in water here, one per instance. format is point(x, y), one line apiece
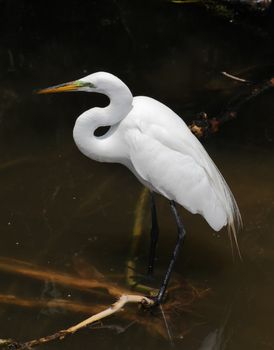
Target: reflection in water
point(218, 339)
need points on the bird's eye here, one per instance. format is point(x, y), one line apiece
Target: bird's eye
point(90, 85)
point(86, 84)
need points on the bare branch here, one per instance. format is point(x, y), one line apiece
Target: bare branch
point(117, 306)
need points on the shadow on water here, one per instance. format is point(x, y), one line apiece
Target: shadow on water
point(58, 208)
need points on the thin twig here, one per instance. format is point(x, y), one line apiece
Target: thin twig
point(233, 77)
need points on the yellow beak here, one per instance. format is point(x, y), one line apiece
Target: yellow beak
point(71, 86)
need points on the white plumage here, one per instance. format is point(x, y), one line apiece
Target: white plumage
point(168, 159)
point(157, 146)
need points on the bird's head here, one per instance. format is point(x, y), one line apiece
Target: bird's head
point(96, 82)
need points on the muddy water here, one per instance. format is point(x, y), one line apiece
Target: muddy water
point(63, 212)
point(58, 208)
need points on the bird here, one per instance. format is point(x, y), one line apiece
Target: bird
point(156, 145)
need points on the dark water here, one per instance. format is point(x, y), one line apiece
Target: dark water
point(58, 207)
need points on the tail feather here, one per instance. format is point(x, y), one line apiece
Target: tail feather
point(233, 227)
point(234, 220)
point(225, 196)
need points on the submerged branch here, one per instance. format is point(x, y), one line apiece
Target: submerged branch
point(35, 272)
point(53, 304)
point(131, 278)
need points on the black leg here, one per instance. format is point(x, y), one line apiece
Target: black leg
point(154, 235)
point(180, 239)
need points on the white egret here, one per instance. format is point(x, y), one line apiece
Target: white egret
point(158, 147)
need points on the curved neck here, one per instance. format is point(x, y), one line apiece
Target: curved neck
point(103, 148)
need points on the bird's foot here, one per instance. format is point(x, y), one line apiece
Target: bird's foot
point(157, 298)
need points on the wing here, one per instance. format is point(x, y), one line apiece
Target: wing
point(184, 142)
point(165, 143)
point(175, 175)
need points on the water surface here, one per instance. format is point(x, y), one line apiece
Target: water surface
point(64, 212)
